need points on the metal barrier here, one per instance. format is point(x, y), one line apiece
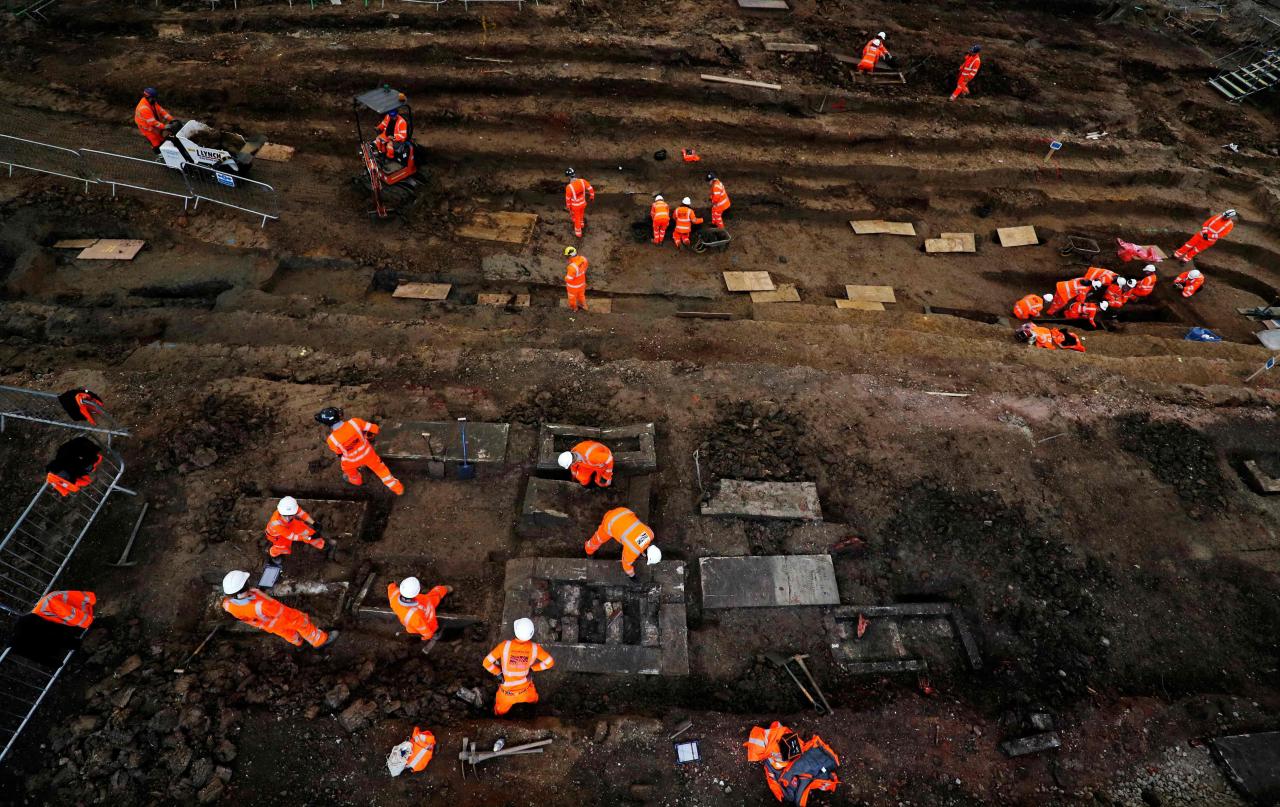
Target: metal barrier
point(23, 685)
point(231, 190)
point(43, 407)
point(152, 176)
point(37, 548)
point(17, 152)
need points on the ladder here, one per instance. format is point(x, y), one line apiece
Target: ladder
point(1245, 81)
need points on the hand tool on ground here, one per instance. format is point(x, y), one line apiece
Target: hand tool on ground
point(431, 643)
point(194, 653)
point(470, 755)
point(784, 663)
point(799, 659)
point(435, 465)
point(684, 726)
point(466, 470)
point(133, 536)
point(364, 592)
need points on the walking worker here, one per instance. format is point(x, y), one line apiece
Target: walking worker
point(151, 118)
point(288, 524)
point(72, 608)
point(586, 460)
point(873, 52)
point(660, 214)
point(576, 195)
point(415, 610)
point(968, 70)
point(349, 439)
point(621, 524)
point(1214, 229)
point(269, 614)
point(719, 201)
point(575, 279)
point(513, 661)
point(685, 219)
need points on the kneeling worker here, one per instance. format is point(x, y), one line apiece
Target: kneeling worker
point(513, 661)
point(290, 523)
point(415, 610)
point(589, 459)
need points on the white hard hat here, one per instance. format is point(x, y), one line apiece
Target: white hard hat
point(1130, 282)
point(1151, 267)
point(1048, 298)
point(288, 506)
point(1193, 273)
point(1104, 305)
point(657, 197)
point(686, 201)
point(653, 554)
point(234, 582)
point(875, 41)
point(410, 588)
point(565, 459)
point(882, 35)
point(1097, 284)
point(1229, 213)
point(524, 629)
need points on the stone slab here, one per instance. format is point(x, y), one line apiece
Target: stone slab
point(870, 294)
point(673, 637)
point(1262, 481)
point(1034, 744)
point(617, 659)
point(511, 228)
point(1252, 763)
point(553, 438)
point(748, 281)
point(952, 242)
point(782, 500)
point(1023, 236)
point(423, 291)
point(768, 582)
point(882, 227)
point(906, 665)
point(403, 440)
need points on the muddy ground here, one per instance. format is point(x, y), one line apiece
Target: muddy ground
point(1085, 512)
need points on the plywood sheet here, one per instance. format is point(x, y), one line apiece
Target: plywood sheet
point(860, 305)
point(511, 228)
point(871, 294)
point(882, 227)
point(748, 281)
point(785, 293)
point(761, 85)
point(492, 299)
point(75, 243)
point(1023, 236)
point(275, 153)
point(951, 242)
point(595, 305)
point(768, 581)
point(112, 249)
point(770, 5)
point(423, 291)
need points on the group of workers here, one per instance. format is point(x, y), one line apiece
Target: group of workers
point(876, 51)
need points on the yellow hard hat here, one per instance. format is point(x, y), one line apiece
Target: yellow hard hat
point(569, 252)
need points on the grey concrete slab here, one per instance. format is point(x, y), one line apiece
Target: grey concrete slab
point(1034, 744)
point(885, 667)
point(633, 446)
point(404, 440)
point(1252, 763)
point(618, 659)
point(783, 500)
point(673, 638)
point(1262, 481)
point(771, 581)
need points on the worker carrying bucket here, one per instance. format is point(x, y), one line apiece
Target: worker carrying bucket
point(792, 769)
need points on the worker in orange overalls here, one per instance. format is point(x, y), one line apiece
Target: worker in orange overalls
point(151, 118)
point(266, 613)
point(1049, 338)
point(1069, 291)
point(1030, 306)
point(589, 459)
point(350, 440)
point(719, 201)
point(576, 195)
point(1215, 228)
point(873, 52)
point(660, 214)
point(513, 661)
point(1116, 294)
point(1098, 273)
point(290, 523)
point(575, 279)
point(793, 769)
point(968, 71)
point(415, 610)
point(72, 465)
point(622, 525)
point(685, 219)
point(1189, 282)
point(1145, 286)
point(1083, 309)
point(393, 133)
point(73, 608)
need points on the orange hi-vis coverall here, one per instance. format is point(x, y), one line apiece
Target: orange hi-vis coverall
point(73, 608)
point(1215, 228)
point(872, 53)
point(1145, 287)
point(576, 195)
point(273, 616)
point(1189, 285)
point(386, 141)
point(1115, 296)
point(514, 660)
point(685, 219)
point(151, 118)
point(419, 614)
point(719, 203)
point(1028, 307)
point(660, 213)
point(1106, 276)
point(968, 70)
point(66, 487)
point(592, 459)
point(1067, 292)
point(622, 525)
point(282, 531)
point(1082, 310)
point(575, 282)
point(350, 442)
point(422, 748)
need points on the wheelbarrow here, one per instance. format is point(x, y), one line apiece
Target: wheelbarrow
point(711, 238)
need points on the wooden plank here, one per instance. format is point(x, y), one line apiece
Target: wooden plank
point(844, 58)
point(492, 299)
point(704, 314)
point(1023, 236)
point(275, 153)
point(882, 227)
point(860, 305)
point(871, 294)
point(595, 305)
point(112, 249)
point(763, 85)
point(790, 47)
point(508, 227)
point(423, 291)
point(968, 240)
point(785, 293)
point(75, 243)
point(766, 5)
point(748, 281)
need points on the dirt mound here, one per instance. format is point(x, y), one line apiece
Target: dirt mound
point(1179, 456)
point(755, 440)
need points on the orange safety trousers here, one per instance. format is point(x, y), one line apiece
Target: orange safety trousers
point(719, 203)
point(660, 212)
point(276, 618)
point(623, 525)
point(374, 463)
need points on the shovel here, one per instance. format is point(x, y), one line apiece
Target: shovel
point(466, 470)
point(435, 465)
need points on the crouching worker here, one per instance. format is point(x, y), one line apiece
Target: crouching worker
point(792, 769)
point(1049, 338)
point(269, 614)
point(71, 468)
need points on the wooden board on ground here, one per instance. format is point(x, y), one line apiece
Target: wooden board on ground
point(511, 228)
point(492, 299)
point(790, 47)
point(951, 242)
point(1024, 236)
point(768, 5)
point(595, 305)
point(885, 77)
point(870, 294)
point(112, 249)
point(860, 305)
point(763, 85)
point(785, 293)
point(882, 227)
point(423, 291)
point(275, 153)
point(748, 281)
point(75, 243)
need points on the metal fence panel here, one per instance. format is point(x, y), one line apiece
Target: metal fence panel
point(153, 176)
point(43, 407)
point(23, 685)
point(232, 190)
point(17, 152)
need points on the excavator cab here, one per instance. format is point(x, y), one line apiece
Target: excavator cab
point(392, 181)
